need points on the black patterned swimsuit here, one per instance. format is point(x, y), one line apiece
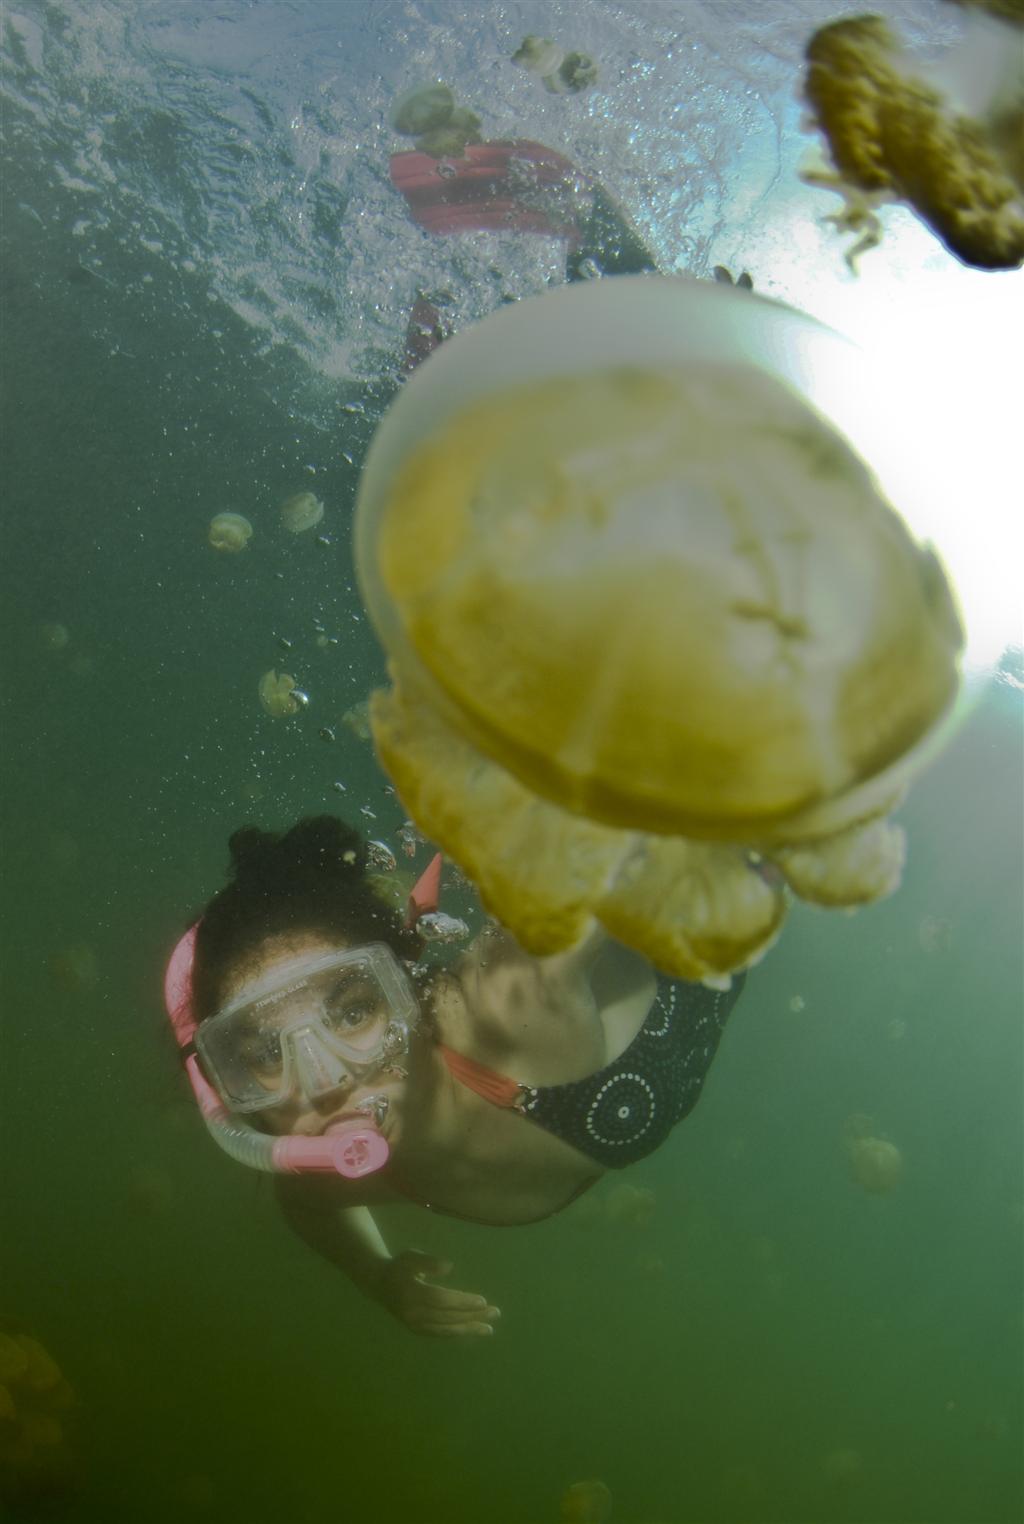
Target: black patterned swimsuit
point(627, 1109)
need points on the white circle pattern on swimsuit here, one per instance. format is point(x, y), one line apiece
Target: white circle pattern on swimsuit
point(640, 1094)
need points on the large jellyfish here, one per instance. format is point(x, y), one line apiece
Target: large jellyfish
point(658, 644)
point(950, 145)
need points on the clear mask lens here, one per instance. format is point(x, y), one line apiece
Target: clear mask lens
point(312, 1026)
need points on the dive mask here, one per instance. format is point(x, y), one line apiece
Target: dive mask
point(313, 1025)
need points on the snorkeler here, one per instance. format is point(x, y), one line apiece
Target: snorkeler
point(513, 185)
point(496, 1087)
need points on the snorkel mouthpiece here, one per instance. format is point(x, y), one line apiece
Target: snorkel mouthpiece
point(353, 1150)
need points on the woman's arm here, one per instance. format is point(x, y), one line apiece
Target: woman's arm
point(349, 1238)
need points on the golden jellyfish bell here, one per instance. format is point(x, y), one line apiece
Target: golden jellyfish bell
point(229, 531)
point(541, 55)
point(54, 636)
point(587, 1502)
point(423, 108)
point(277, 694)
point(658, 644)
point(301, 511)
point(875, 1164)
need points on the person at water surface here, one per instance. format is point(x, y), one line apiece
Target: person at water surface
point(502, 1085)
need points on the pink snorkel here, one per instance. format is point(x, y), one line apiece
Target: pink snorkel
point(351, 1150)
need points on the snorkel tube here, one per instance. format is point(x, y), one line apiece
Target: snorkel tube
point(351, 1150)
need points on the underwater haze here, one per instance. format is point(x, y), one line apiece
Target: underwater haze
point(206, 282)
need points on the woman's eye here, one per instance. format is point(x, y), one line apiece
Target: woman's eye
point(350, 1008)
point(353, 1015)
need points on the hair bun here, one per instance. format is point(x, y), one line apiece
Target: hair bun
point(324, 843)
point(249, 848)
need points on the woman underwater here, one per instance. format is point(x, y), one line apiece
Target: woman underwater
point(502, 1085)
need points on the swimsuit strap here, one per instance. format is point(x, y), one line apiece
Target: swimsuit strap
point(494, 1087)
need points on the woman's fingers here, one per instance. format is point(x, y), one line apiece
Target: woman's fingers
point(428, 1308)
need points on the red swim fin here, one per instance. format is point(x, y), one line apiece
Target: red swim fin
point(516, 186)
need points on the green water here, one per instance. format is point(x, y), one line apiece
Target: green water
point(774, 1346)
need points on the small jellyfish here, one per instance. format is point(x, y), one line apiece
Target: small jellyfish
point(540, 55)
point(576, 72)
point(797, 1004)
point(585, 1503)
point(75, 968)
point(54, 636)
point(843, 1468)
point(301, 511)
point(229, 531)
point(62, 852)
point(934, 934)
point(278, 694)
point(875, 1164)
point(422, 109)
point(357, 718)
point(630, 1206)
point(449, 141)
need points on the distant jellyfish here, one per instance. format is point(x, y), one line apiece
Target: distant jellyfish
point(585, 1503)
point(934, 934)
point(843, 1468)
point(229, 531)
point(875, 1164)
point(630, 1206)
point(62, 851)
point(75, 968)
point(54, 636)
point(301, 511)
point(422, 109)
point(797, 1004)
point(277, 692)
point(357, 718)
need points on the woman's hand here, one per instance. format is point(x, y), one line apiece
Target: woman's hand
point(425, 1308)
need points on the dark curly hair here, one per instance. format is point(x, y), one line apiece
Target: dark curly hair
point(310, 879)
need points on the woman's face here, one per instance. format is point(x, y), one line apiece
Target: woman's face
point(302, 1115)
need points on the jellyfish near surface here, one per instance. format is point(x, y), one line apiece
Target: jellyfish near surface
point(658, 645)
point(230, 532)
